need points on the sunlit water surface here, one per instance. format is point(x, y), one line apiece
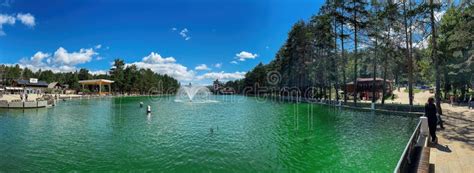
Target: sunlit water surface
point(230, 133)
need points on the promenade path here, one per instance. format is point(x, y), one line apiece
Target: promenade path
point(10, 97)
point(455, 149)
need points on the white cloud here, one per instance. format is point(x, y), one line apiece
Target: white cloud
point(35, 66)
point(423, 43)
point(234, 62)
point(222, 76)
point(242, 56)
point(417, 27)
point(174, 29)
point(439, 14)
point(61, 61)
point(36, 61)
point(98, 72)
point(177, 71)
point(155, 58)
point(184, 34)
point(202, 67)
point(61, 56)
point(5, 20)
point(66, 68)
point(167, 66)
point(98, 46)
point(27, 19)
point(363, 46)
point(39, 56)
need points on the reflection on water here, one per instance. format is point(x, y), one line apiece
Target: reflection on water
point(246, 135)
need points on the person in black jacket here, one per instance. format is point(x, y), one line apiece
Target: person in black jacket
point(440, 120)
point(430, 112)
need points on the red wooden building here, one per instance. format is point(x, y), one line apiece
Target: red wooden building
point(365, 85)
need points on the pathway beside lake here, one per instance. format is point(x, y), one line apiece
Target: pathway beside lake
point(455, 149)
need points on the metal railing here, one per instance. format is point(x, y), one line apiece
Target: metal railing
point(406, 157)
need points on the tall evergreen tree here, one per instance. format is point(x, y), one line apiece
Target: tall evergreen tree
point(358, 21)
point(117, 74)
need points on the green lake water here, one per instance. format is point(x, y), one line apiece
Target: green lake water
point(233, 134)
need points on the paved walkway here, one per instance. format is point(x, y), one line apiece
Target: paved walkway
point(418, 99)
point(455, 149)
point(10, 97)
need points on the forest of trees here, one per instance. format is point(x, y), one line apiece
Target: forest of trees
point(127, 79)
point(359, 38)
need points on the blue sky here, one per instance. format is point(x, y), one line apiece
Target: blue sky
point(172, 37)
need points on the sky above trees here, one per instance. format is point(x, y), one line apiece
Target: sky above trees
point(196, 41)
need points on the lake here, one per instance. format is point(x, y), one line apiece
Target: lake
point(231, 133)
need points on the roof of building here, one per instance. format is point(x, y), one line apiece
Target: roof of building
point(53, 84)
point(369, 80)
point(96, 81)
point(28, 83)
point(13, 88)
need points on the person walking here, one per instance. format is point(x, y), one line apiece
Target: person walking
point(471, 103)
point(430, 113)
point(451, 99)
point(440, 120)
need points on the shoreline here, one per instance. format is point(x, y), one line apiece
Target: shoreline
point(333, 103)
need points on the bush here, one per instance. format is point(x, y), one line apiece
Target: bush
point(415, 90)
point(85, 91)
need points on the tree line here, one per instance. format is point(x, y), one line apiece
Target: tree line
point(403, 41)
point(127, 79)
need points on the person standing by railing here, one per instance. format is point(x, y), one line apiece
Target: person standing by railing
point(471, 103)
point(451, 99)
point(440, 120)
point(430, 113)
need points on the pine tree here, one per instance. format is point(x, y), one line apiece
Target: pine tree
point(358, 21)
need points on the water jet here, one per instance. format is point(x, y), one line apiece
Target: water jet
point(189, 93)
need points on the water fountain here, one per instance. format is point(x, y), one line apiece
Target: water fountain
point(189, 93)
